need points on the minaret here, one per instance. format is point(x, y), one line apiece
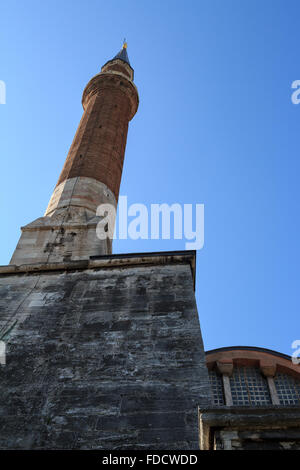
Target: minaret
point(91, 174)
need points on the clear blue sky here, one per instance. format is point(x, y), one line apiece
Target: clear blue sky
point(216, 126)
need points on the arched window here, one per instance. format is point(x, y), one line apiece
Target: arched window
point(250, 376)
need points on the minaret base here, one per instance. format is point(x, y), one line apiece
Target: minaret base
point(68, 229)
point(70, 234)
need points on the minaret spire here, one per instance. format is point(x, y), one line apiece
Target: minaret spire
point(122, 54)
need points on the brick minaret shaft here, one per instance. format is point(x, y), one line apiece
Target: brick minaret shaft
point(91, 174)
point(110, 101)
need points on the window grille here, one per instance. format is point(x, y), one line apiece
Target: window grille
point(249, 387)
point(216, 385)
point(288, 389)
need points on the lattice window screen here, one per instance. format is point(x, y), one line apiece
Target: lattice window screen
point(288, 389)
point(216, 384)
point(249, 387)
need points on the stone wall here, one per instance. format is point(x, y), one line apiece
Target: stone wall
point(101, 358)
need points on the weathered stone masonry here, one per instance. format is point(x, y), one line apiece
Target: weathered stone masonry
point(106, 356)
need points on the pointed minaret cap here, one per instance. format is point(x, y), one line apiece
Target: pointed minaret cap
point(122, 55)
